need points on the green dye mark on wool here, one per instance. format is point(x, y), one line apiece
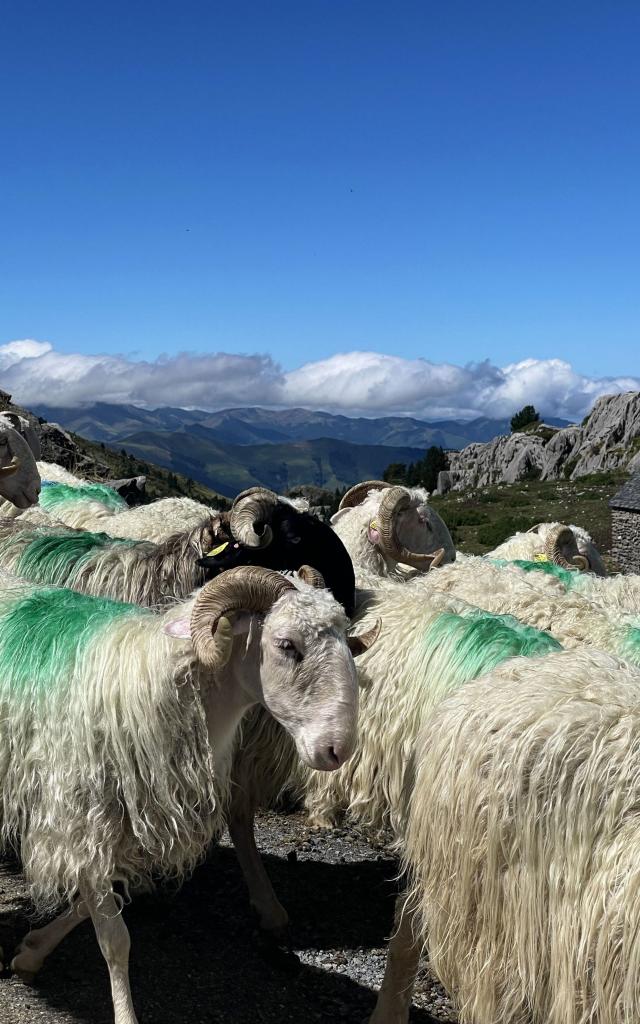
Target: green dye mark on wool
point(478, 642)
point(43, 632)
point(53, 495)
point(55, 558)
point(566, 577)
point(631, 645)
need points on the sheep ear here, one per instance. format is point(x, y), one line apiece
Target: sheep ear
point(179, 628)
point(359, 644)
point(340, 514)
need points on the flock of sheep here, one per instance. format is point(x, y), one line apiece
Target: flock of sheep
point(166, 670)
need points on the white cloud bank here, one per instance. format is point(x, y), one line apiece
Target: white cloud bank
point(353, 383)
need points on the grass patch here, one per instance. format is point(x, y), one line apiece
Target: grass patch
point(483, 519)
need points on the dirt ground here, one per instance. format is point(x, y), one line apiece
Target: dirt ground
point(197, 958)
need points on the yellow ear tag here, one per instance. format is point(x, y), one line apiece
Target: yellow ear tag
point(218, 550)
point(373, 525)
point(540, 558)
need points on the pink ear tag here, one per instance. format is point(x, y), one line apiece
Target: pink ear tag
point(373, 533)
point(179, 628)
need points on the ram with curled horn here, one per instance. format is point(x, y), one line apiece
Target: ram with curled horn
point(568, 546)
point(268, 530)
point(181, 681)
point(384, 527)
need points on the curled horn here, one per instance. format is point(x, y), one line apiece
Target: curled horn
point(13, 466)
point(248, 588)
point(358, 493)
point(311, 576)
point(563, 536)
point(361, 643)
point(534, 529)
point(394, 501)
point(581, 563)
point(253, 508)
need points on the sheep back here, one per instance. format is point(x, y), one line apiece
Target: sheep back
point(105, 767)
point(522, 842)
point(427, 649)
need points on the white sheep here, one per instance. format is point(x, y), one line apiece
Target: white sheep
point(618, 594)
point(99, 508)
point(384, 527)
point(581, 551)
point(94, 563)
point(538, 599)
point(521, 837)
point(427, 648)
point(19, 477)
point(117, 728)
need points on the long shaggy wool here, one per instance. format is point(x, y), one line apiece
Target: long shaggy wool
point(523, 842)
point(55, 474)
point(95, 563)
point(539, 599)
point(619, 593)
point(155, 522)
point(426, 650)
point(105, 766)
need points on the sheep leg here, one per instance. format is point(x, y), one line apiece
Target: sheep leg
point(240, 819)
point(394, 998)
point(113, 939)
point(40, 942)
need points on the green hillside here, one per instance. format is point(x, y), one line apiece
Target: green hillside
point(161, 482)
point(325, 462)
point(480, 520)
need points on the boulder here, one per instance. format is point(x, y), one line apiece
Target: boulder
point(608, 439)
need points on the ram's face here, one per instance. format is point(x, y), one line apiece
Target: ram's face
point(308, 676)
point(419, 528)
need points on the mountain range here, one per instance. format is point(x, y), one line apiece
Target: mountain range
point(237, 448)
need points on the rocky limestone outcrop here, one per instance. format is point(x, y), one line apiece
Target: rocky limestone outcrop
point(608, 439)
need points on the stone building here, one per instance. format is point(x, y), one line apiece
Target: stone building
point(625, 525)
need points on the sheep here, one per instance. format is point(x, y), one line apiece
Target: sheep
point(271, 531)
point(94, 563)
point(521, 840)
point(117, 727)
point(620, 593)
point(539, 600)
point(383, 526)
point(533, 544)
point(19, 477)
point(427, 648)
point(96, 507)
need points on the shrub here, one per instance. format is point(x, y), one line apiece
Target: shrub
point(524, 418)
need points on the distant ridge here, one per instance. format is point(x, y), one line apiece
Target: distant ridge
point(102, 421)
point(238, 448)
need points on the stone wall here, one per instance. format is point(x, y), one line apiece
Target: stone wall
point(625, 533)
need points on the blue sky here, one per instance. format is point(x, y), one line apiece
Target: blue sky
point(453, 182)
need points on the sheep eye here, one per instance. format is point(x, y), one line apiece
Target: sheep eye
point(4, 440)
point(285, 645)
point(290, 648)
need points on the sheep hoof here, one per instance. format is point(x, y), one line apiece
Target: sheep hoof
point(26, 977)
point(25, 965)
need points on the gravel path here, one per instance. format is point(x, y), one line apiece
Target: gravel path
point(196, 957)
